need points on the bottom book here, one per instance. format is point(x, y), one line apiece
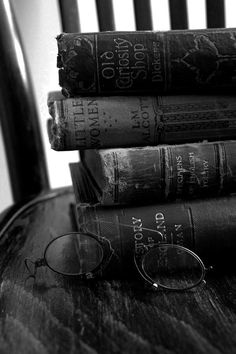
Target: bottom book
point(207, 227)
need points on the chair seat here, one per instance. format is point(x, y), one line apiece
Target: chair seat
point(53, 315)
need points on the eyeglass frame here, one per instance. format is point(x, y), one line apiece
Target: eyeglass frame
point(139, 258)
point(107, 253)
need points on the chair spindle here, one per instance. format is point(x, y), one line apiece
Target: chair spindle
point(178, 14)
point(69, 16)
point(215, 10)
point(143, 14)
point(105, 15)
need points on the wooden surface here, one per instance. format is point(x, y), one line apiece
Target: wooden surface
point(54, 315)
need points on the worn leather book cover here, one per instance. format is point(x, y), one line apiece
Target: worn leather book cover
point(147, 61)
point(125, 121)
point(206, 226)
point(162, 173)
point(85, 189)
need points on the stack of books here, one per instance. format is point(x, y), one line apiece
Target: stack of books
point(153, 116)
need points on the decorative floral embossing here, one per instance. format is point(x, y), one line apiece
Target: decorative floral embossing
point(205, 58)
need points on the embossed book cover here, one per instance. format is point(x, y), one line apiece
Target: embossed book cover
point(162, 173)
point(94, 122)
point(205, 226)
point(147, 61)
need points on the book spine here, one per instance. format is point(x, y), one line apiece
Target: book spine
point(159, 62)
point(206, 227)
point(167, 172)
point(100, 122)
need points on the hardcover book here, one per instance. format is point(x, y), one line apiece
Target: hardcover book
point(205, 226)
point(147, 61)
point(162, 173)
point(125, 121)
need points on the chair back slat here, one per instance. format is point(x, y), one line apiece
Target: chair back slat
point(178, 14)
point(215, 11)
point(69, 16)
point(105, 15)
point(19, 117)
point(143, 14)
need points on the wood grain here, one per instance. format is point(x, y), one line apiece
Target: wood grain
point(55, 315)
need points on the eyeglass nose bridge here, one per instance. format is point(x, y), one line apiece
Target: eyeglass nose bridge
point(39, 262)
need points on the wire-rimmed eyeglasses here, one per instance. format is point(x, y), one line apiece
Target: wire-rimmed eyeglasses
point(86, 255)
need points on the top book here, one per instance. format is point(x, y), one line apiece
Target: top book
point(180, 61)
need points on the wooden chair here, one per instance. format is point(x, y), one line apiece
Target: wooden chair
point(52, 315)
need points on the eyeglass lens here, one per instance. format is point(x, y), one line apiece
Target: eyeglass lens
point(173, 267)
point(74, 254)
point(168, 265)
